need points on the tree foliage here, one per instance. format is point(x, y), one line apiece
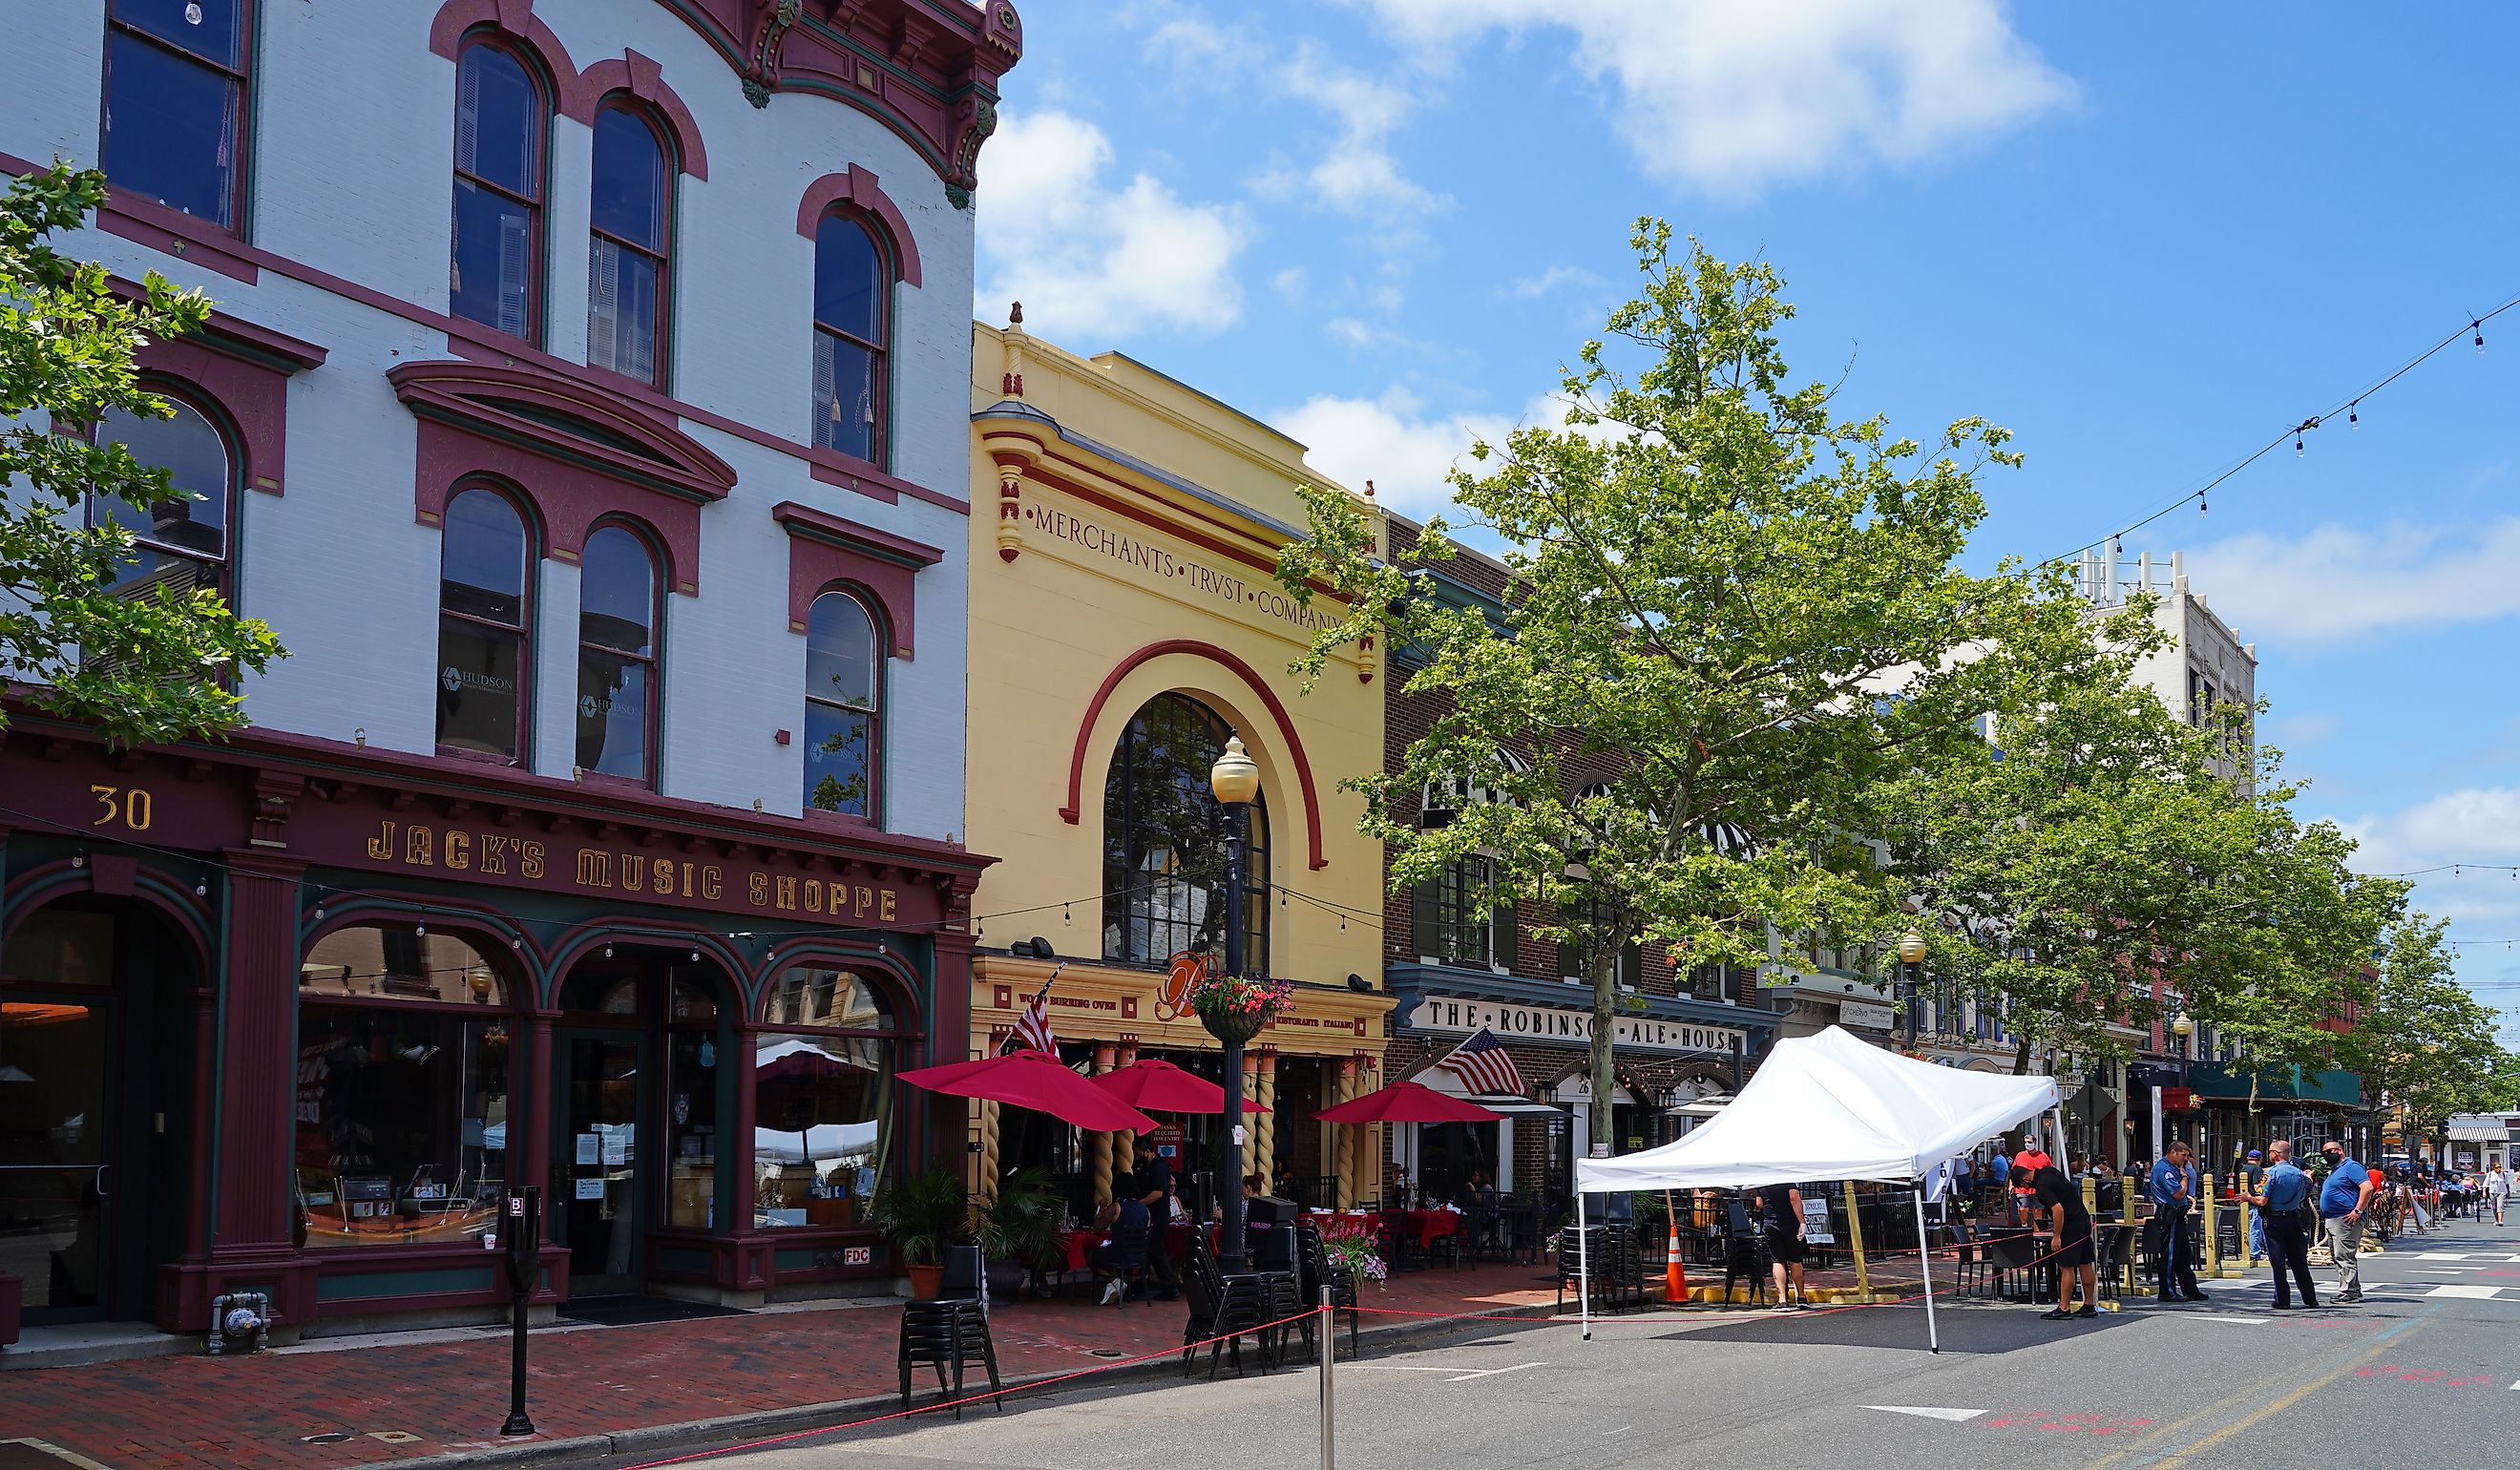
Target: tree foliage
point(2422, 1043)
point(153, 666)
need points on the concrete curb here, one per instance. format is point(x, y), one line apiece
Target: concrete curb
point(659, 1439)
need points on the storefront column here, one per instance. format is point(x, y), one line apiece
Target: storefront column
point(984, 1188)
point(256, 1074)
point(529, 1130)
point(1099, 1145)
point(1344, 1143)
point(1124, 1146)
point(1264, 1155)
point(202, 1187)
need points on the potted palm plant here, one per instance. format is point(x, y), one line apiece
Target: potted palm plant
point(1019, 1228)
point(921, 1216)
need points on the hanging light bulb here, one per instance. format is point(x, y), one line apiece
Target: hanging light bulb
point(319, 914)
point(607, 951)
point(200, 890)
point(2296, 445)
point(2354, 414)
point(420, 931)
point(515, 940)
point(2200, 502)
point(1067, 914)
point(2479, 327)
point(695, 956)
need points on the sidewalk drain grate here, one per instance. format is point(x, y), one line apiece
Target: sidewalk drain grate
point(330, 1437)
point(1107, 1353)
point(393, 1436)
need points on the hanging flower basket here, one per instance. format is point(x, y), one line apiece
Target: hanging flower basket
point(1233, 1007)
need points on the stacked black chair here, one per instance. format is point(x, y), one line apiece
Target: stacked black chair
point(948, 1334)
point(2117, 1259)
point(1618, 1279)
point(1316, 1273)
point(1224, 1307)
point(1745, 1253)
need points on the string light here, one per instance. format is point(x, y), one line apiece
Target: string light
point(2479, 327)
point(2354, 416)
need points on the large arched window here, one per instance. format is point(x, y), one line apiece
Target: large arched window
point(484, 585)
point(843, 705)
point(617, 655)
point(1163, 842)
point(852, 334)
point(823, 1109)
point(630, 216)
point(502, 115)
point(181, 544)
point(403, 1049)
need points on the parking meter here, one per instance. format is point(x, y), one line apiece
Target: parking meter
point(520, 1236)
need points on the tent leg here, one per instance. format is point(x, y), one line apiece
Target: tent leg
point(1583, 1269)
point(1925, 1273)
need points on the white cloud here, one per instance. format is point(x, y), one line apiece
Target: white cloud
point(1731, 96)
point(2294, 730)
point(1533, 288)
point(2451, 833)
point(1289, 283)
point(1393, 441)
point(2339, 582)
point(1089, 258)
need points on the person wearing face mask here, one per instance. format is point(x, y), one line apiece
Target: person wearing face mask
point(2341, 1203)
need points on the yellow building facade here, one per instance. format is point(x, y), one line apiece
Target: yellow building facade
point(1125, 618)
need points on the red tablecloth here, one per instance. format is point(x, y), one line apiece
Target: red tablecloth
point(1079, 1247)
point(1428, 1225)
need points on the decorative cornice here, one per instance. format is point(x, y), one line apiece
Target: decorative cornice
point(626, 443)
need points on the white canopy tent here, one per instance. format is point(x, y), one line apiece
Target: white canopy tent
point(1826, 1107)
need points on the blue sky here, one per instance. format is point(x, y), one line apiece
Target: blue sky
point(2143, 240)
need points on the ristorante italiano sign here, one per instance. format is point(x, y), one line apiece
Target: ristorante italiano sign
point(1555, 1024)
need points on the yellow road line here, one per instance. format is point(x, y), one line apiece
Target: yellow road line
point(2265, 1411)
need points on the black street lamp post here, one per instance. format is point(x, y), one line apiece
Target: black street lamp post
point(1235, 780)
point(1912, 980)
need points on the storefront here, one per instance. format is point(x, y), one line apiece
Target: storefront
point(1126, 623)
point(292, 1015)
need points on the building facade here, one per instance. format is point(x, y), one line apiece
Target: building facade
point(584, 411)
point(1460, 956)
point(1126, 620)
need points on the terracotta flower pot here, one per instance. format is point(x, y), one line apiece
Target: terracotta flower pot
point(925, 1281)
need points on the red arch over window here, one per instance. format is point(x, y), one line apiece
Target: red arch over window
point(860, 187)
point(638, 77)
point(1250, 679)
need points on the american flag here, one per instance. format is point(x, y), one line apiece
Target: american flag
point(1032, 1028)
point(1483, 1065)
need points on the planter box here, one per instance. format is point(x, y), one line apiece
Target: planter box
point(13, 1292)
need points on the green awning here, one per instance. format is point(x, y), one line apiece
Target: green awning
point(2229, 1081)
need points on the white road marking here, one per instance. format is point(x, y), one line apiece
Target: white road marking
point(2245, 1321)
point(1459, 1375)
point(1954, 1415)
point(1492, 1372)
point(2478, 1293)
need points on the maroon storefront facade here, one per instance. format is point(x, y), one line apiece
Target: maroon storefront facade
point(337, 1000)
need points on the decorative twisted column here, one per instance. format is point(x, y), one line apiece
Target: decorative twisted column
point(1265, 1128)
point(1098, 1145)
point(985, 1187)
point(1124, 1146)
point(1343, 1146)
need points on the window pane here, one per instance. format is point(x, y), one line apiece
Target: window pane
point(208, 29)
point(401, 1125)
point(195, 457)
point(479, 687)
point(498, 122)
point(809, 995)
point(690, 1130)
point(483, 560)
point(617, 591)
point(844, 396)
point(612, 714)
point(620, 310)
point(839, 651)
point(490, 273)
point(1164, 841)
point(629, 189)
point(848, 278)
point(170, 128)
point(374, 962)
point(836, 748)
point(822, 1125)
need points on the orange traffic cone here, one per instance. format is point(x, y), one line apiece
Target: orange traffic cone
point(1675, 1276)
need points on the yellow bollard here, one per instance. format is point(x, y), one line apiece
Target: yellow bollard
point(1855, 1237)
point(2212, 1237)
point(2240, 1268)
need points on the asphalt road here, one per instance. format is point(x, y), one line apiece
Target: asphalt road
point(2427, 1368)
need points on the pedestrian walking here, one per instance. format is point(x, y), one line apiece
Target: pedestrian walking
point(2497, 1191)
point(2341, 1203)
point(2253, 1182)
point(2280, 1194)
point(2172, 1189)
point(1780, 1207)
point(2059, 1201)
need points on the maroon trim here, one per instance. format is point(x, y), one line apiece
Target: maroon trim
point(253, 397)
point(645, 80)
point(860, 187)
point(517, 25)
point(1251, 677)
point(899, 979)
point(186, 236)
point(260, 988)
point(228, 333)
point(824, 551)
point(575, 480)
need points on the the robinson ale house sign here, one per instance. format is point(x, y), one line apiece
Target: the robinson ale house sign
point(1550, 1023)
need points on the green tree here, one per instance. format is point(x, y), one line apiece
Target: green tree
point(1717, 579)
point(158, 665)
point(2423, 1044)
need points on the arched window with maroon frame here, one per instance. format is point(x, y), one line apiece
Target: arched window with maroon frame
point(183, 544)
point(502, 121)
point(617, 656)
point(843, 705)
point(853, 275)
point(629, 283)
point(823, 1095)
point(484, 626)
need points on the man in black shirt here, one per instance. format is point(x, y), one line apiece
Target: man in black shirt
point(1781, 1229)
point(2058, 1203)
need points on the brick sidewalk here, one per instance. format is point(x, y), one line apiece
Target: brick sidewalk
point(430, 1397)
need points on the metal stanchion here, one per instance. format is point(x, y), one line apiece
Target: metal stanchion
point(1329, 1350)
point(523, 1231)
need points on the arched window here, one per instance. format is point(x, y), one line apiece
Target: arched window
point(852, 327)
point(182, 543)
point(484, 622)
point(630, 216)
point(617, 655)
point(1163, 842)
point(843, 705)
point(174, 104)
point(821, 1072)
point(403, 1043)
point(502, 114)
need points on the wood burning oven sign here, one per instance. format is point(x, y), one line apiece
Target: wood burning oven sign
point(1181, 972)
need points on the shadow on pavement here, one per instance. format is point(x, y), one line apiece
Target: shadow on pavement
point(1976, 1330)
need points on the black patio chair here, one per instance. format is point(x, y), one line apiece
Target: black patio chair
point(1315, 1273)
point(948, 1334)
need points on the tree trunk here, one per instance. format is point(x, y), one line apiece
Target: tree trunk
point(1602, 1122)
point(2013, 1135)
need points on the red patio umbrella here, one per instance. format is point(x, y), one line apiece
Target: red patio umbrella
point(1161, 1086)
point(1407, 1102)
point(1036, 1080)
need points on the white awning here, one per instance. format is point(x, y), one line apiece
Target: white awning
point(2469, 1127)
point(1515, 1106)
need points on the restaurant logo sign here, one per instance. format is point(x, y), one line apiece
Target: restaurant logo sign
point(1554, 1024)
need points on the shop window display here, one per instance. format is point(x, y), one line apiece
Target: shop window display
point(823, 1107)
point(691, 1109)
point(401, 1112)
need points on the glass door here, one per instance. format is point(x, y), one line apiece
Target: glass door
point(596, 1160)
point(56, 1179)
